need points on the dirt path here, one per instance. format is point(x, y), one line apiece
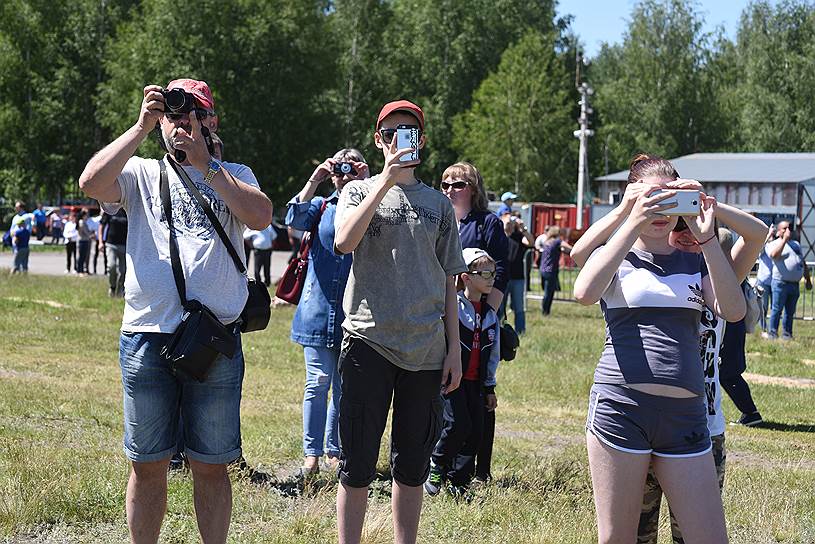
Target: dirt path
point(797, 383)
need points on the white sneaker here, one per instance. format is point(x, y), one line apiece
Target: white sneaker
point(765, 335)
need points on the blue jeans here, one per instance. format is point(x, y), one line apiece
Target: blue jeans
point(766, 297)
point(785, 297)
point(516, 289)
point(549, 283)
point(321, 419)
point(154, 397)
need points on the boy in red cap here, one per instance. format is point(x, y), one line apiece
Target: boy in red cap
point(401, 338)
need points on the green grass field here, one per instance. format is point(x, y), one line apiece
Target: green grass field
point(62, 472)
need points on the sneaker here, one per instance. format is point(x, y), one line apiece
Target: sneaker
point(177, 461)
point(749, 420)
point(765, 335)
point(434, 481)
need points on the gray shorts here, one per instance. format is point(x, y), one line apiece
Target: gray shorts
point(635, 422)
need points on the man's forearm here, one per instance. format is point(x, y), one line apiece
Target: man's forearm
point(450, 317)
point(249, 204)
point(777, 249)
point(98, 179)
point(352, 229)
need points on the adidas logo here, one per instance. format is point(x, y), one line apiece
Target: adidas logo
point(697, 295)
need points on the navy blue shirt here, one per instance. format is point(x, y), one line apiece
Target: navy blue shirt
point(485, 231)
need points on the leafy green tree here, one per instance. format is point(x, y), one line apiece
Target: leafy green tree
point(50, 65)
point(652, 91)
point(268, 64)
point(519, 128)
point(775, 57)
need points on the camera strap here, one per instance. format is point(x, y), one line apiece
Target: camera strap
point(175, 261)
point(185, 179)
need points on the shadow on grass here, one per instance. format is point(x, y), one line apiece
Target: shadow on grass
point(787, 427)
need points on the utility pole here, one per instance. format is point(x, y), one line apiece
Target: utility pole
point(583, 134)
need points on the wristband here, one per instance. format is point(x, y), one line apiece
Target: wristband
point(708, 240)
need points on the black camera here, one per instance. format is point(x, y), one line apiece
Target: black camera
point(178, 101)
point(342, 168)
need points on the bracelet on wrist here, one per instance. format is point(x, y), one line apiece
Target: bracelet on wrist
point(708, 240)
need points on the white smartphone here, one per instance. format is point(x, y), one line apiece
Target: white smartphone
point(408, 137)
point(688, 202)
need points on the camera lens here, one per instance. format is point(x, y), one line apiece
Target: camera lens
point(345, 168)
point(175, 99)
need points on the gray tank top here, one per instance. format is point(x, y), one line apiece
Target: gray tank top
point(652, 309)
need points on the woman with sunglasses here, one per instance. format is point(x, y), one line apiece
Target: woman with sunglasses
point(479, 228)
point(648, 403)
point(317, 320)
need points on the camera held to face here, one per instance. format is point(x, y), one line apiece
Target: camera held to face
point(343, 168)
point(178, 101)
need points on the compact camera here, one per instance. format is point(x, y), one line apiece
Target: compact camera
point(343, 168)
point(178, 101)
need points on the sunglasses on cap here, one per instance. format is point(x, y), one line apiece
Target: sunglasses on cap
point(388, 133)
point(199, 112)
point(486, 274)
point(455, 184)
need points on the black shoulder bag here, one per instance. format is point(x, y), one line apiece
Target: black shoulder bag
point(201, 337)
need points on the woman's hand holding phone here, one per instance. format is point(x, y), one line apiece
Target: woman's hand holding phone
point(704, 226)
point(647, 206)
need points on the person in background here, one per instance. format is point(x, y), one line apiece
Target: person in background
point(788, 269)
point(506, 203)
point(20, 237)
point(479, 228)
point(453, 459)
point(96, 245)
point(71, 235)
point(19, 209)
point(317, 319)
point(55, 224)
point(261, 241)
point(764, 282)
point(519, 239)
point(550, 250)
point(83, 242)
point(113, 237)
point(40, 228)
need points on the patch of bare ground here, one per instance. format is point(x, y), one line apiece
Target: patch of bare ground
point(808, 362)
point(753, 459)
point(783, 381)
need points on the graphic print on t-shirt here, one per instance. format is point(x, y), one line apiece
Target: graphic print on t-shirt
point(404, 213)
point(188, 217)
point(709, 342)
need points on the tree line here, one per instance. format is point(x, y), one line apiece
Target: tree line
point(295, 80)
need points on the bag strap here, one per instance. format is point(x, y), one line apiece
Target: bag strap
point(175, 261)
point(185, 179)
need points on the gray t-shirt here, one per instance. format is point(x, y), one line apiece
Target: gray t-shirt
point(790, 267)
point(394, 299)
point(652, 308)
point(151, 299)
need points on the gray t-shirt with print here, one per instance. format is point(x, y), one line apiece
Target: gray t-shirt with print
point(151, 299)
point(790, 267)
point(394, 299)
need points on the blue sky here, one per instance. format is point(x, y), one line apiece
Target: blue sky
point(597, 21)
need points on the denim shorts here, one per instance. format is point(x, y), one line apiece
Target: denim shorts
point(155, 397)
point(635, 422)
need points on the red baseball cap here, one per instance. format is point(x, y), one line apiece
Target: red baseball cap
point(199, 89)
point(401, 105)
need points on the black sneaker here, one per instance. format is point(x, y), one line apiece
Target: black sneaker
point(177, 461)
point(749, 420)
point(434, 481)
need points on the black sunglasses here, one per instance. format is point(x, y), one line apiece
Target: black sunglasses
point(458, 184)
point(200, 113)
point(388, 133)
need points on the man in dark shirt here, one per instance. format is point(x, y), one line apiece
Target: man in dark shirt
point(113, 239)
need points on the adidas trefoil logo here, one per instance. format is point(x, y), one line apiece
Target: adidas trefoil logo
point(697, 296)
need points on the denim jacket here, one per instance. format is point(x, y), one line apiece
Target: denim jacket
point(319, 316)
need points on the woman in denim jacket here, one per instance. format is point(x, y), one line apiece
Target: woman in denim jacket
point(318, 318)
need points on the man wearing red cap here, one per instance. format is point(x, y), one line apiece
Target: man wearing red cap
point(154, 394)
point(401, 341)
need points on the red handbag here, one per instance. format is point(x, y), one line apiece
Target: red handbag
point(290, 285)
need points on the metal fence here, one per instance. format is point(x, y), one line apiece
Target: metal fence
point(805, 309)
